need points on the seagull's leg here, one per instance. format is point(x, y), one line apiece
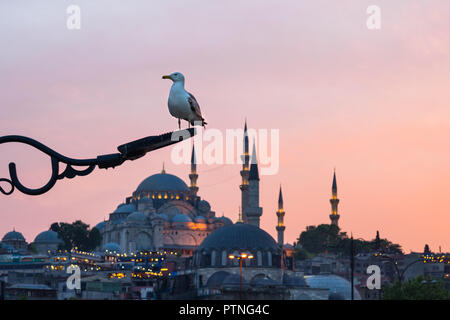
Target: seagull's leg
point(179, 124)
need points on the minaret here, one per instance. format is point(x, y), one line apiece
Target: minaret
point(245, 175)
point(280, 214)
point(334, 216)
point(253, 211)
point(193, 175)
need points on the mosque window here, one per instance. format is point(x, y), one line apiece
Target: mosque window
point(165, 195)
point(259, 258)
point(213, 258)
point(177, 196)
point(159, 196)
point(224, 258)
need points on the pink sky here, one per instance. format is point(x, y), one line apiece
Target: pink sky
point(375, 104)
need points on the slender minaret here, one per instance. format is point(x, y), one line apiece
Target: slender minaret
point(245, 175)
point(334, 216)
point(280, 214)
point(193, 175)
point(253, 211)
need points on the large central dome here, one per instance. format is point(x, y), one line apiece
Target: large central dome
point(239, 236)
point(162, 182)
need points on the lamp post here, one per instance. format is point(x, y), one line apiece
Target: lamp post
point(241, 257)
point(129, 151)
point(352, 265)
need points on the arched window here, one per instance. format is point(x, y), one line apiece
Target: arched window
point(213, 258)
point(259, 258)
point(224, 258)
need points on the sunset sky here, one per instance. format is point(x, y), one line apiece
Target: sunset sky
point(375, 104)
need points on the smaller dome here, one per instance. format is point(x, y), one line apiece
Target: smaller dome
point(137, 217)
point(263, 282)
point(216, 279)
point(204, 206)
point(163, 216)
point(294, 281)
point(100, 225)
point(13, 236)
point(200, 219)
point(233, 280)
point(224, 220)
point(112, 247)
point(48, 236)
point(117, 221)
point(6, 247)
point(181, 218)
point(125, 208)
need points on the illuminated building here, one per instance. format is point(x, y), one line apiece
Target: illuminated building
point(162, 213)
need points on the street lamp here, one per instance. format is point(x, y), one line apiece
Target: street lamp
point(128, 151)
point(241, 257)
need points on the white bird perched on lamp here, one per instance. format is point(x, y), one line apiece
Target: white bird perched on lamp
point(182, 104)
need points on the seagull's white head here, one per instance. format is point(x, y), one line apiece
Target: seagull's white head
point(175, 77)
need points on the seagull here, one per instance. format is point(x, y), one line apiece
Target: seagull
point(182, 104)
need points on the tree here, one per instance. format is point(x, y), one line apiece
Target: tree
point(327, 238)
point(77, 235)
point(426, 250)
point(420, 288)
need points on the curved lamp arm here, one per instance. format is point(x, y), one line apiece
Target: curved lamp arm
point(129, 151)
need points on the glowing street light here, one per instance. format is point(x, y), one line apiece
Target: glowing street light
point(241, 257)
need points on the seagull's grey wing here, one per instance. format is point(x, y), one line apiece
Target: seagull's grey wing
point(194, 105)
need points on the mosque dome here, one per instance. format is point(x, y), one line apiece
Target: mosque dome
point(216, 279)
point(13, 236)
point(294, 281)
point(239, 236)
point(125, 208)
point(100, 225)
point(234, 279)
point(137, 217)
point(181, 218)
point(200, 219)
point(263, 282)
point(112, 247)
point(6, 247)
point(204, 206)
point(225, 220)
point(335, 284)
point(162, 182)
point(163, 216)
point(48, 236)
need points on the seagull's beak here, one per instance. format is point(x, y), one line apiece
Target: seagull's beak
point(166, 77)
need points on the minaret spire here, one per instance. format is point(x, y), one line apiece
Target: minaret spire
point(245, 172)
point(280, 225)
point(193, 176)
point(334, 216)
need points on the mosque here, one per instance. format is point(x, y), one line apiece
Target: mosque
point(165, 213)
